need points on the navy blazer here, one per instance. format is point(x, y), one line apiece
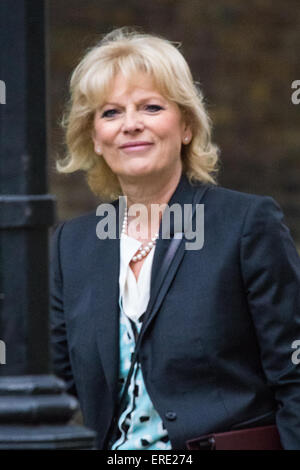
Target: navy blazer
point(216, 351)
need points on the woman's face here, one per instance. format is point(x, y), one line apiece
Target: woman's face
point(138, 132)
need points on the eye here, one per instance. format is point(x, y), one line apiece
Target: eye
point(153, 108)
point(109, 113)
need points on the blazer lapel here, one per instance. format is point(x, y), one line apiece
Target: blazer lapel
point(171, 261)
point(182, 195)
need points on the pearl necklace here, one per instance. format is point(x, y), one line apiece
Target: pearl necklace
point(144, 249)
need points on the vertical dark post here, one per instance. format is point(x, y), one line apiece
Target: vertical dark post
point(34, 407)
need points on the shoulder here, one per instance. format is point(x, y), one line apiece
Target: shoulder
point(80, 227)
point(232, 208)
point(77, 224)
point(232, 200)
point(73, 233)
point(222, 194)
point(80, 222)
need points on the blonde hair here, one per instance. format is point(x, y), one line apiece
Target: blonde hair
point(129, 52)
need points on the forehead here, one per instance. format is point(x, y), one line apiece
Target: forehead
point(139, 86)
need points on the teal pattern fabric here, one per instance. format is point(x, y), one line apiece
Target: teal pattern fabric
point(140, 426)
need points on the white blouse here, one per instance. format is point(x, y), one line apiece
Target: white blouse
point(135, 294)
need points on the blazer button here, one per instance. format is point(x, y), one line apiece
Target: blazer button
point(171, 415)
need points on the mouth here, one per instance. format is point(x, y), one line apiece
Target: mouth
point(136, 146)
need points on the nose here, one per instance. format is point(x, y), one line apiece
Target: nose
point(133, 121)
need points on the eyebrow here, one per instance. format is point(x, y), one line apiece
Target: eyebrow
point(141, 101)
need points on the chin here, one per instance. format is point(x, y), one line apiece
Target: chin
point(141, 171)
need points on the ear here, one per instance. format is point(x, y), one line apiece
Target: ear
point(97, 147)
point(187, 135)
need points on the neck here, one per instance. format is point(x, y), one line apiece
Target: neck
point(147, 191)
point(157, 191)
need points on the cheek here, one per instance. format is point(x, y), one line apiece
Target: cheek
point(171, 138)
point(170, 130)
point(104, 135)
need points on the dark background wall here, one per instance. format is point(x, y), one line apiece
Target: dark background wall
point(244, 54)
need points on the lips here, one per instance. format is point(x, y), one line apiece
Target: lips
point(135, 144)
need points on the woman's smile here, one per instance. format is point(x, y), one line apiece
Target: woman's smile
point(136, 146)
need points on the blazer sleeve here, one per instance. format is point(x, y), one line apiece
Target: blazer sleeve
point(59, 353)
point(271, 271)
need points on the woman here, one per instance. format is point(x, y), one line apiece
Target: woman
point(215, 324)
